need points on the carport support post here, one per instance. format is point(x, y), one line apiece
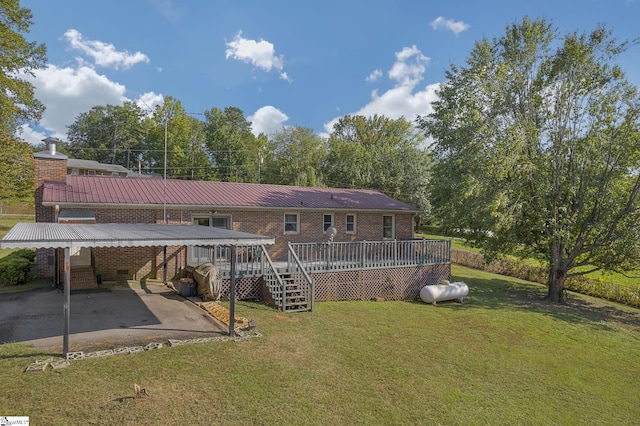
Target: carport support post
point(67, 300)
point(164, 265)
point(232, 293)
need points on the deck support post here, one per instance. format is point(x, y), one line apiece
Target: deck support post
point(232, 293)
point(67, 300)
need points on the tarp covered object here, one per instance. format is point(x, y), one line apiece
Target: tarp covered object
point(208, 279)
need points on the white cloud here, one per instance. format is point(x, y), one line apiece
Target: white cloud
point(284, 76)
point(260, 54)
point(148, 101)
point(267, 120)
point(67, 92)
point(34, 137)
point(449, 24)
point(402, 100)
point(374, 76)
point(104, 54)
point(408, 72)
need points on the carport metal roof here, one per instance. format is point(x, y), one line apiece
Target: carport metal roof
point(67, 236)
point(58, 235)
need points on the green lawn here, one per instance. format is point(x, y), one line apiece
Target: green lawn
point(504, 357)
point(632, 279)
point(7, 222)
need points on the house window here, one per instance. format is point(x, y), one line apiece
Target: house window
point(222, 222)
point(202, 221)
point(387, 226)
point(351, 224)
point(75, 172)
point(327, 222)
point(199, 255)
point(115, 174)
point(291, 223)
point(91, 172)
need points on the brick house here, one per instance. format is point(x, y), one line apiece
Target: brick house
point(288, 214)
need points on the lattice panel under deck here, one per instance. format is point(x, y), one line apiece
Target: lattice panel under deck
point(390, 284)
point(246, 288)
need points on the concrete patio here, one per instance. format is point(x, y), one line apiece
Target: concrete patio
point(116, 315)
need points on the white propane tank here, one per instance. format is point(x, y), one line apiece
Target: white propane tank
point(437, 293)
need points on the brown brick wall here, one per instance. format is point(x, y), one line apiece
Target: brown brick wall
point(126, 263)
point(46, 169)
point(142, 262)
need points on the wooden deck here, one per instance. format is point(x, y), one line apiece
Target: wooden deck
point(327, 257)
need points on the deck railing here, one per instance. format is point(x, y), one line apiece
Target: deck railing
point(341, 256)
point(301, 277)
point(249, 259)
point(327, 256)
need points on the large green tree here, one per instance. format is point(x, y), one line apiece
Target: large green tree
point(379, 153)
point(537, 146)
point(16, 171)
point(233, 148)
point(186, 156)
point(295, 156)
point(17, 58)
point(110, 134)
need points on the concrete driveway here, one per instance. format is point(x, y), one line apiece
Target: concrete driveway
point(122, 315)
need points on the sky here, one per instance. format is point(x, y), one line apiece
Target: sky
point(283, 63)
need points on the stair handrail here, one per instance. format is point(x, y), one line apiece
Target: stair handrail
point(306, 276)
point(274, 271)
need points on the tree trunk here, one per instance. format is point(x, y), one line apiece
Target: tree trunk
point(557, 278)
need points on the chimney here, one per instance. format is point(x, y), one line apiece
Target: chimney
point(51, 144)
point(47, 165)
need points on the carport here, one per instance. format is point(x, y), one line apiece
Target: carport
point(75, 236)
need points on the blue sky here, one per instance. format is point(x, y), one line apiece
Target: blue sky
point(282, 62)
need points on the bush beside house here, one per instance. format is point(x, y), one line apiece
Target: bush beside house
point(15, 269)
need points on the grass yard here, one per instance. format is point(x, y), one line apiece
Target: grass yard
point(503, 357)
point(7, 222)
point(632, 279)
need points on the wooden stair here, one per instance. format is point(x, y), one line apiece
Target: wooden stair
point(294, 298)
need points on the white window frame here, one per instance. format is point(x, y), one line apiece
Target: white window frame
point(332, 223)
point(91, 173)
point(211, 218)
point(221, 252)
point(393, 226)
point(284, 223)
point(346, 223)
point(194, 217)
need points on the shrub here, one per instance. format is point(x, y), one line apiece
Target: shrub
point(30, 255)
point(14, 270)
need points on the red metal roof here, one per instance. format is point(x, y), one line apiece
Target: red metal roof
point(114, 190)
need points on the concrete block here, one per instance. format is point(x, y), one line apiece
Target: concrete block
point(75, 355)
point(151, 346)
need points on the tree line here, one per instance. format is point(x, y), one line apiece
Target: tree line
point(378, 152)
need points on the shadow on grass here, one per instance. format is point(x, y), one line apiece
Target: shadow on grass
point(510, 294)
point(43, 355)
